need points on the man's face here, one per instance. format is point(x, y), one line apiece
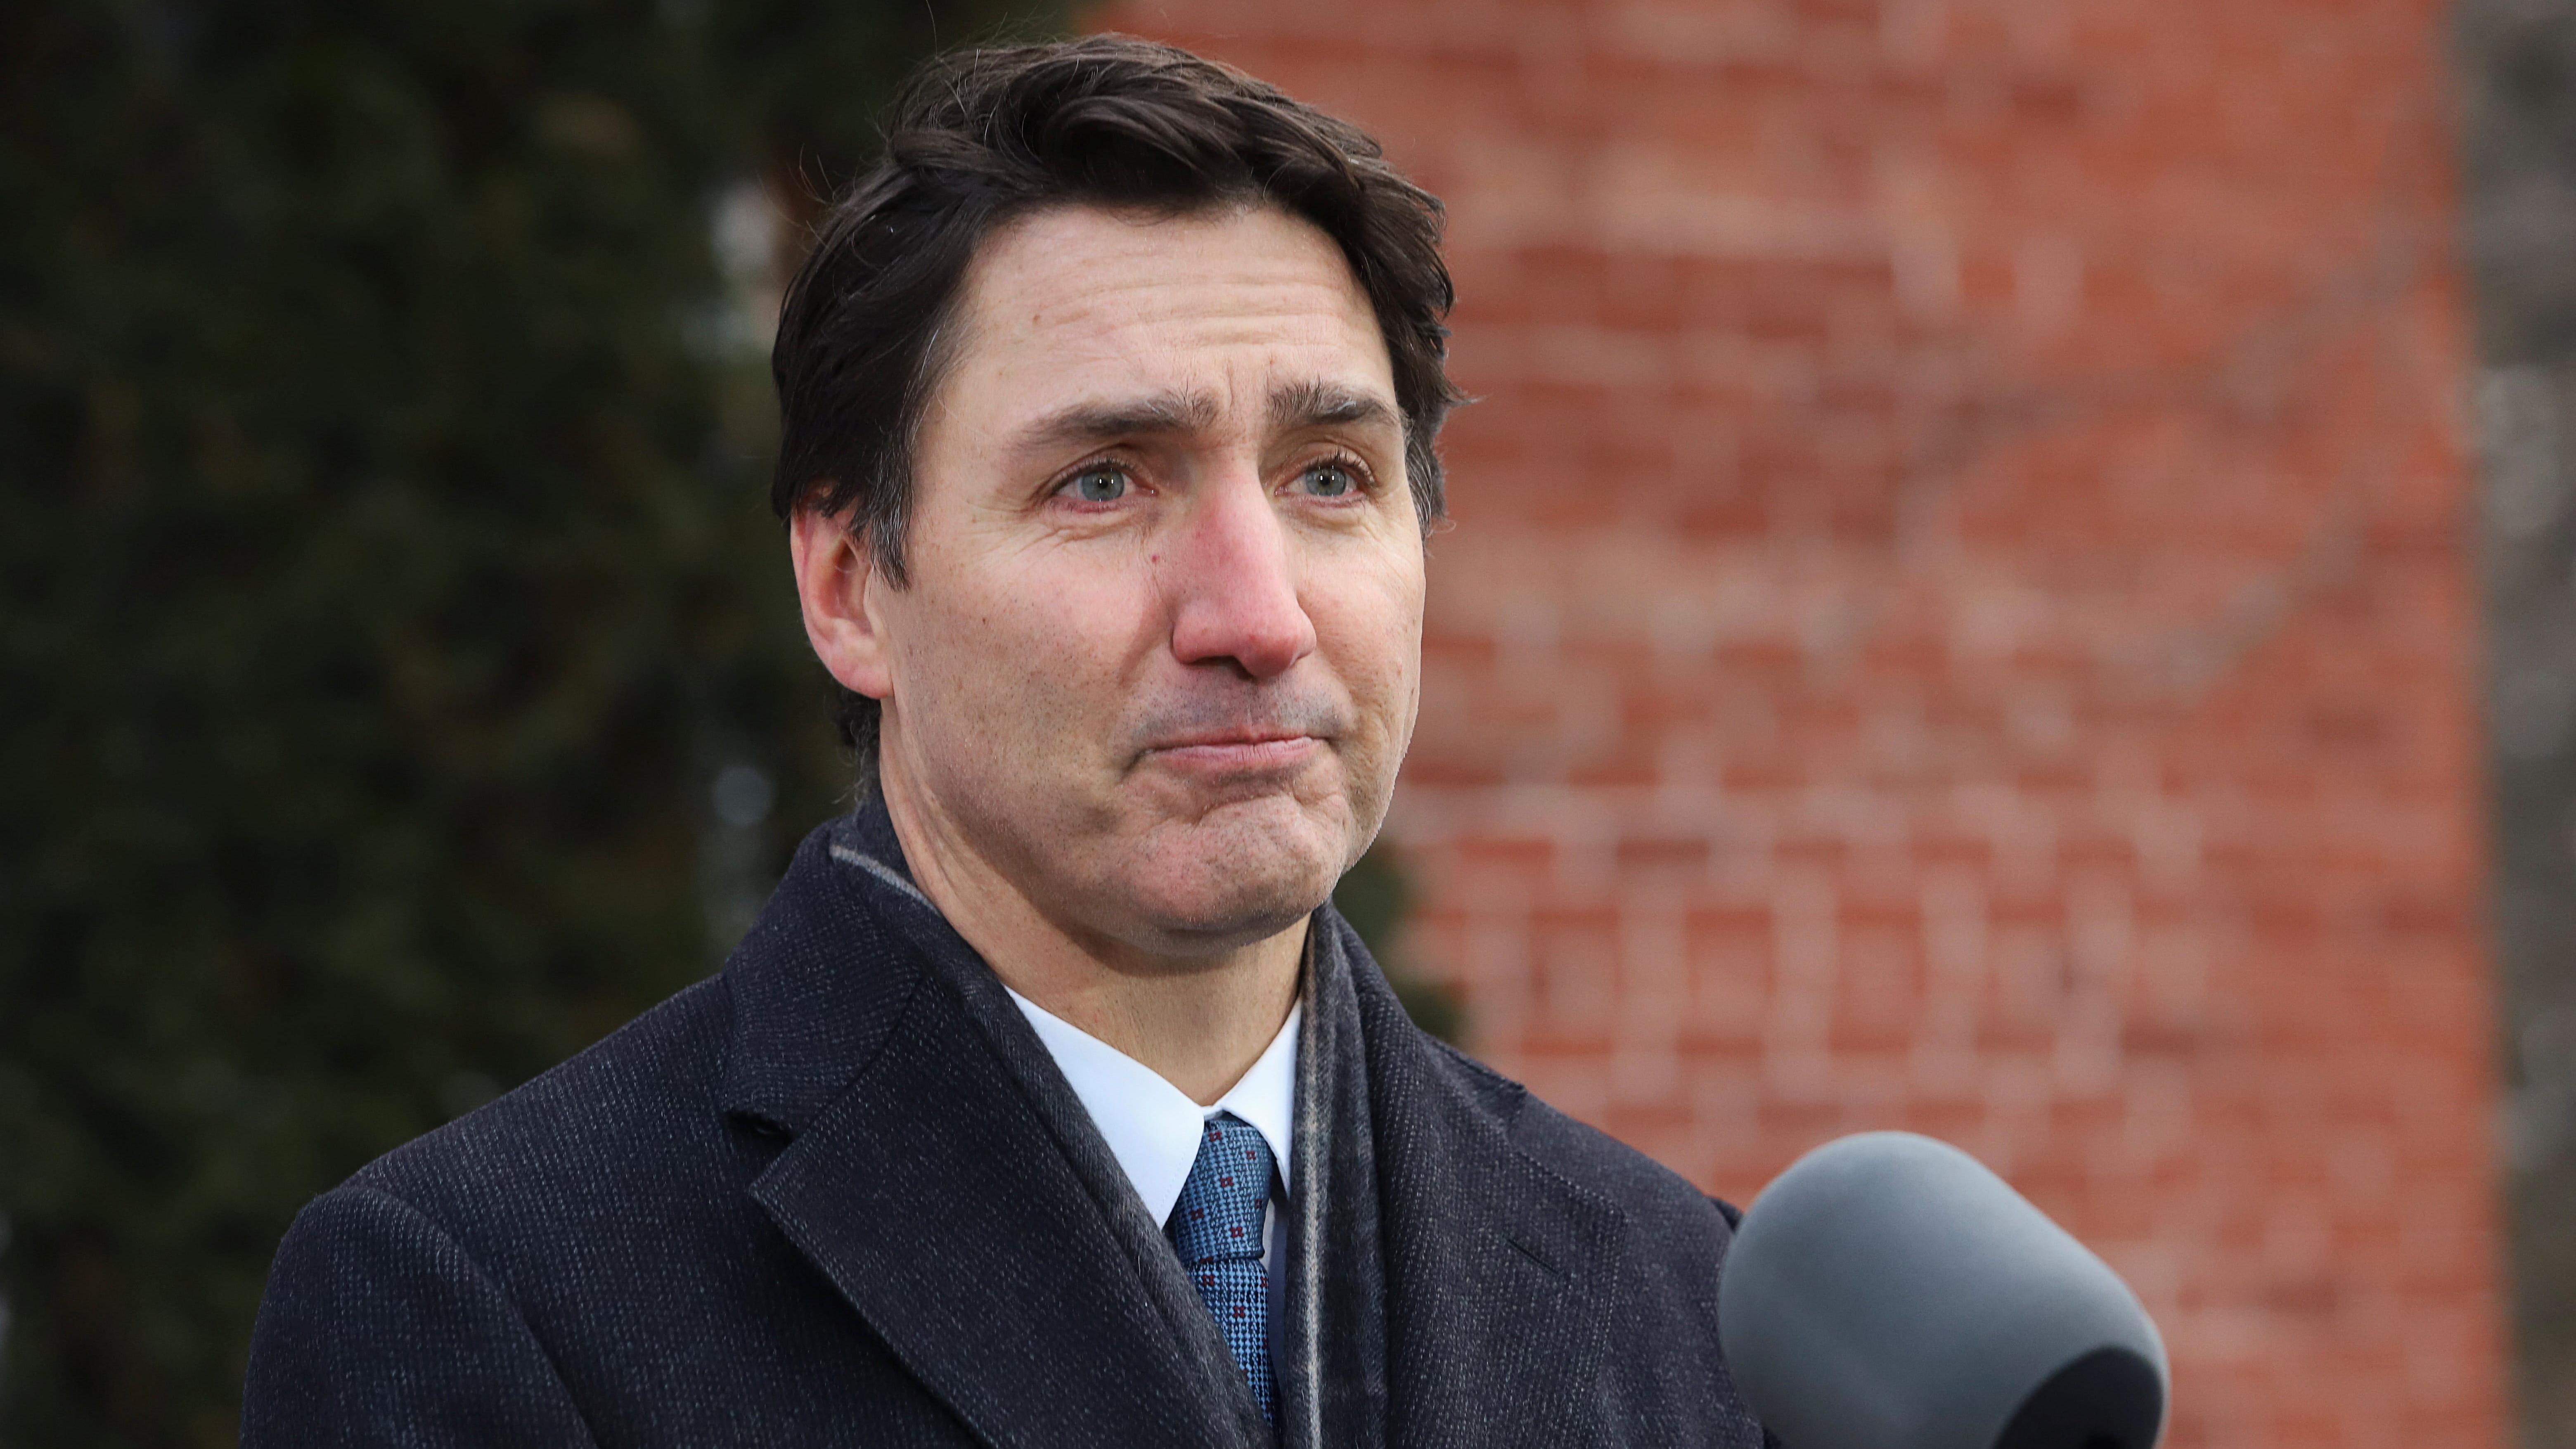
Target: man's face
point(1158, 654)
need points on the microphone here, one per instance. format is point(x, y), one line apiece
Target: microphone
point(1888, 1292)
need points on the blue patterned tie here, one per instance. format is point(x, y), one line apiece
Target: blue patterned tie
point(1216, 1227)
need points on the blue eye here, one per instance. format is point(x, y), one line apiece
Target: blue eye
point(1331, 480)
point(1099, 484)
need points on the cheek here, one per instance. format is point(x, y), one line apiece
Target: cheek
point(1027, 647)
point(1374, 618)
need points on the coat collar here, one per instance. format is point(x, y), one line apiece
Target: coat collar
point(944, 1179)
point(942, 1175)
point(816, 984)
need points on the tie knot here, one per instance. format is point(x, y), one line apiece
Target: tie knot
point(1219, 1214)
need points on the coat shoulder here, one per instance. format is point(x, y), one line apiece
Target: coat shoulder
point(607, 1123)
point(1654, 1198)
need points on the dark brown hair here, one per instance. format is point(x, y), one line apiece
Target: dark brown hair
point(980, 138)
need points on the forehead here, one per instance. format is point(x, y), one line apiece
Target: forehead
point(1081, 304)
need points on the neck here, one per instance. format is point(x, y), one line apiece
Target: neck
point(1199, 1020)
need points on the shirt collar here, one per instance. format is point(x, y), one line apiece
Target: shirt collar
point(1151, 1126)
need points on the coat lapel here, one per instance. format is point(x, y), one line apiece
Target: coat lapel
point(931, 1191)
point(1499, 1272)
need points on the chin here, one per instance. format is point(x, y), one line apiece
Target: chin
point(1214, 890)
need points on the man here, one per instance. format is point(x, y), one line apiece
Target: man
point(1049, 1103)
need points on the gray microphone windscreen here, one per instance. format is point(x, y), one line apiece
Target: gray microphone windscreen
point(1888, 1292)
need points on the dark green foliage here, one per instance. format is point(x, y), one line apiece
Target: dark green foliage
point(1376, 898)
point(383, 581)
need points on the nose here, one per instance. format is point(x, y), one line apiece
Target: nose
point(1231, 574)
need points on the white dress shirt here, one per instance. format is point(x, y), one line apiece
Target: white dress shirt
point(1154, 1129)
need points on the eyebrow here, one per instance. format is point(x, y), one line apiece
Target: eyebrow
point(1168, 412)
point(1297, 405)
point(1326, 404)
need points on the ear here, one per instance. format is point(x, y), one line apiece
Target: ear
point(833, 570)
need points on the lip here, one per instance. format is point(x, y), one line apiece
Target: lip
point(1242, 752)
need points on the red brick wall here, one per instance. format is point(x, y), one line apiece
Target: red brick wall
point(1959, 617)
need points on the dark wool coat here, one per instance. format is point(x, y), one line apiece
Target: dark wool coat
point(840, 1195)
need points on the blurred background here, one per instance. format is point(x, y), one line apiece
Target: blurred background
point(2013, 577)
